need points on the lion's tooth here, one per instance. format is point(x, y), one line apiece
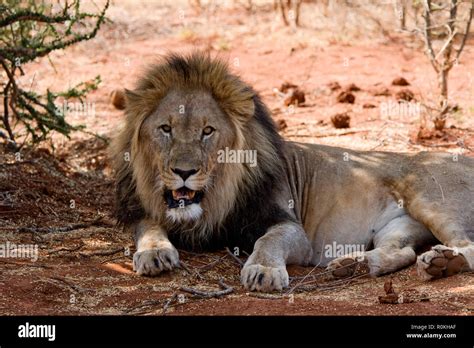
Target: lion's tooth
point(191, 194)
point(175, 194)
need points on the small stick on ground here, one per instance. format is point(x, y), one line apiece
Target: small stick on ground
point(209, 266)
point(63, 228)
point(329, 134)
point(336, 285)
point(331, 283)
point(75, 287)
point(181, 251)
point(265, 296)
point(169, 302)
point(192, 272)
point(107, 252)
point(302, 280)
point(209, 294)
point(239, 261)
point(116, 258)
point(316, 280)
point(135, 310)
point(76, 248)
point(26, 264)
point(304, 284)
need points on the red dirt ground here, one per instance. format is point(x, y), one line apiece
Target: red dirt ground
point(87, 270)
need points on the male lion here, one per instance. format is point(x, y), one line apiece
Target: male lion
point(176, 189)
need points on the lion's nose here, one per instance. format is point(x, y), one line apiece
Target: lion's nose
point(184, 174)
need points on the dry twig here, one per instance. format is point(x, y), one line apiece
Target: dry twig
point(226, 289)
point(328, 134)
point(75, 287)
point(135, 310)
point(26, 264)
point(192, 272)
point(106, 252)
point(76, 248)
point(265, 296)
point(67, 228)
point(169, 302)
point(209, 266)
point(239, 261)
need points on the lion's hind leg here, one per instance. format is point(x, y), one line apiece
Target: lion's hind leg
point(394, 248)
point(441, 196)
point(442, 261)
point(450, 224)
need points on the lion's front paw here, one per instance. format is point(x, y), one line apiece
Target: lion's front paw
point(440, 261)
point(346, 266)
point(154, 261)
point(256, 277)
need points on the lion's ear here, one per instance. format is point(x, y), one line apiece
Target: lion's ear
point(120, 98)
point(244, 109)
point(117, 98)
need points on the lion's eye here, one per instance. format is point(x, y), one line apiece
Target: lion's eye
point(165, 128)
point(208, 131)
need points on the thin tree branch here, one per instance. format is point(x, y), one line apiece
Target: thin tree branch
point(25, 15)
point(427, 34)
point(466, 33)
point(446, 45)
point(67, 228)
point(231, 254)
point(210, 294)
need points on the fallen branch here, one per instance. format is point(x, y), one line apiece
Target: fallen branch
point(265, 296)
point(336, 285)
point(66, 249)
point(239, 261)
point(209, 266)
point(359, 266)
point(329, 134)
point(315, 278)
point(209, 294)
point(302, 280)
point(168, 302)
point(192, 272)
point(26, 264)
point(325, 272)
point(116, 258)
point(74, 287)
point(67, 228)
point(148, 303)
point(107, 252)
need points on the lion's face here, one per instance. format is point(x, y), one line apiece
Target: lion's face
point(182, 138)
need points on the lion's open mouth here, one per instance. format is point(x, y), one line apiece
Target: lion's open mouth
point(182, 197)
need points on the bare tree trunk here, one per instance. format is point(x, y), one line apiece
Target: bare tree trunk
point(440, 119)
point(443, 85)
point(443, 60)
point(446, 64)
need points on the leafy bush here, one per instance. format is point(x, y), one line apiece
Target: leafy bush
point(32, 29)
